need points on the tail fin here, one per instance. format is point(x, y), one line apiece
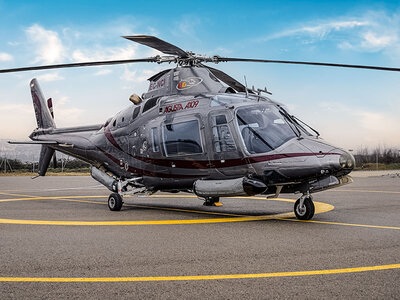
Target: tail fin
point(43, 108)
point(45, 157)
point(45, 119)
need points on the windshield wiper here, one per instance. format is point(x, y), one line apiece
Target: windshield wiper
point(297, 119)
point(289, 118)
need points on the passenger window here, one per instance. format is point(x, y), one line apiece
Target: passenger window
point(154, 139)
point(182, 138)
point(135, 113)
point(222, 137)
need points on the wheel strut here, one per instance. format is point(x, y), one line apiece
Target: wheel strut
point(212, 201)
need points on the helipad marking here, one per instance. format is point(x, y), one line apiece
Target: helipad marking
point(319, 208)
point(345, 224)
point(201, 277)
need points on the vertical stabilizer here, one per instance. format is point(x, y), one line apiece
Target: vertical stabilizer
point(44, 117)
point(45, 157)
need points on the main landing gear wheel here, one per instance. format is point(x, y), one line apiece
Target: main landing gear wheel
point(212, 201)
point(305, 212)
point(115, 202)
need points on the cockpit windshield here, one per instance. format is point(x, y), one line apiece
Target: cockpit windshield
point(263, 128)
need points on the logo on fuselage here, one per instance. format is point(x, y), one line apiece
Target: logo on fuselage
point(188, 83)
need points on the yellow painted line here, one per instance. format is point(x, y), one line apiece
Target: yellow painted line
point(47, 198)
point(344, 224)
point(18, 195)
point(201, 277)
point(66, 198)
point(319, 208)
point(153, 222)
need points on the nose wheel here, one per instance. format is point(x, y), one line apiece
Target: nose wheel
point(115, 202)
point(304, 208)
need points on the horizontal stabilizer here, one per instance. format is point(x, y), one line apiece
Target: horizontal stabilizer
point(33, 142)
point(48, 143)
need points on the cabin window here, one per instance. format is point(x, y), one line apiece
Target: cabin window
point(135, 113)
point(150, 104)
point(222, 137)
point(154, 139)
point(182, 138)
point(114, 123)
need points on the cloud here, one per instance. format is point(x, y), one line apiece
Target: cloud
point(103, 72)
point(320, 30)
point(138, 76)
point(187, 25)
point(48, 46)
point(104, 53)
point(5, 56)
point(49, 77)
point(372, 32)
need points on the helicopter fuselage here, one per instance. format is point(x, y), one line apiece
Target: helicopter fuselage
point(171, 142)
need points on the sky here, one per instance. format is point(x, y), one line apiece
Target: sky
point(350, 108)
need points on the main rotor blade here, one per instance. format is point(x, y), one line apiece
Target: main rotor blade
point(226, 59)
point(156, 43)
point(233, 83)
point(81, 64)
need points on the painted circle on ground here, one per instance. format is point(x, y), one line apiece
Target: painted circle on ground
point(319, 208)
point(201, 277)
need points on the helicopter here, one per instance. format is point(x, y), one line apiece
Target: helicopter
point(196, 130)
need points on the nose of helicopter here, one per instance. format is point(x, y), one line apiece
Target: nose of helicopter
point(347, 161)
point(345, 164)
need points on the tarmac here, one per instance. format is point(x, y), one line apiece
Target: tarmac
point(58, 239)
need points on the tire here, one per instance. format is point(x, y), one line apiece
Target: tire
point(308, 212)
point(210, 201)
point(115, 202)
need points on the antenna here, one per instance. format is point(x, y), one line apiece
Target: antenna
point(245, 83)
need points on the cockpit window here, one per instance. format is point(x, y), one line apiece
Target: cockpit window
point(135, 112)
point(182, 138)
point(263, 128)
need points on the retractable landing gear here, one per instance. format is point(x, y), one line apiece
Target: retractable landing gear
point(115, 202)
point(212, 201)
point(304, 207)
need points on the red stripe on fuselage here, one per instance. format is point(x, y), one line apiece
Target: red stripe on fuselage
point(110, 138)
point(207, 164)
point(149, 173)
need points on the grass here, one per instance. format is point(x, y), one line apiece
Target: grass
point(372, 167)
